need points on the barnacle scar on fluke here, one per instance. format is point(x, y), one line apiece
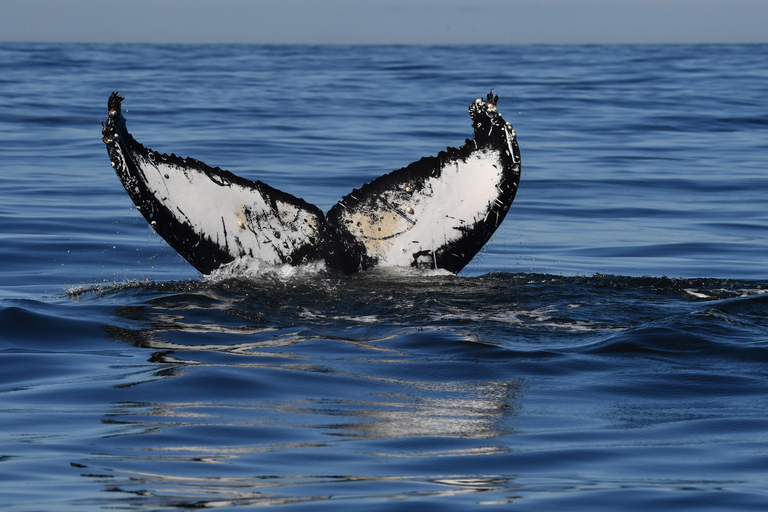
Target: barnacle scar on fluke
point(437, 212)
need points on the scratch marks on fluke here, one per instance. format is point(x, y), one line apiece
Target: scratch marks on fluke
point(437, 212)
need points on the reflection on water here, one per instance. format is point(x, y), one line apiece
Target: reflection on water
point(378, 388)
point(201, 492)
point(233, 394)
point(385, 388)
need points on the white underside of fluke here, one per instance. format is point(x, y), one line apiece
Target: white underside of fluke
point(404, 222)
point(236, 218)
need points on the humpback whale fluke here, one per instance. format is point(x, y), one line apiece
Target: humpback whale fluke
point(437, 212)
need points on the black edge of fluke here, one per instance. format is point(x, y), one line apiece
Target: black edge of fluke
point(408, 217)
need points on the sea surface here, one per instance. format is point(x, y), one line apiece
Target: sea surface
point(607, 350)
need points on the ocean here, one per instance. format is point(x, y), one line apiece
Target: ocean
point(607, 350)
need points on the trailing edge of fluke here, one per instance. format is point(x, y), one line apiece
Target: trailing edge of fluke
point(437, 212)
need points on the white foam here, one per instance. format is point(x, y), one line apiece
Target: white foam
point(252, 268)
point(541, 317)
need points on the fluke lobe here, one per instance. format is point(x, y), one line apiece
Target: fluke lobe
point(437, 212)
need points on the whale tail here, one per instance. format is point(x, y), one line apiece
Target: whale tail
point(437, 212)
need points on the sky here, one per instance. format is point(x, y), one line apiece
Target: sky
point(386, 21)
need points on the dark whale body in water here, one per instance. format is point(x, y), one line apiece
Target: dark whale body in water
point(437, 212)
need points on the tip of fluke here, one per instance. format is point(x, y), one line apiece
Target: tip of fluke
point(109, 127)
point(114, 103)
point(485, 116)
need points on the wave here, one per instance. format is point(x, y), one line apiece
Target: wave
point(521, 313)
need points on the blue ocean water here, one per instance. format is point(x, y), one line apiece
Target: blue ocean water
point(606, 351)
